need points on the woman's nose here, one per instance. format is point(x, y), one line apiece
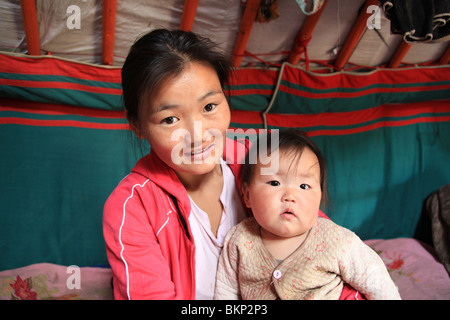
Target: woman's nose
point(194, 132)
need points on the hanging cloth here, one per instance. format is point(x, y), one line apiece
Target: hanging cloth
point(268, 11)
point(316, 5)
point(419, 20)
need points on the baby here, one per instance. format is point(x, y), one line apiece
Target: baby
point(286, 250)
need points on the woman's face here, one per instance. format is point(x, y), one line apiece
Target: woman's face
point(186, 120)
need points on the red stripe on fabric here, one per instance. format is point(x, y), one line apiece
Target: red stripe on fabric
point(356, 117)
point(382, 124)
point(59, 85)
point(246, 76)
point(243, 92)
point(246, 117)
point(353, 81)
point(56, 109)
point(327, 95)
point(64, 123)
point(45, 65)
point(54, 66)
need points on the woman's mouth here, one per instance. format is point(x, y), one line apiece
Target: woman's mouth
point(197, 156)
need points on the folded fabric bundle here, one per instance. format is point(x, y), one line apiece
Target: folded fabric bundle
point(419, 20)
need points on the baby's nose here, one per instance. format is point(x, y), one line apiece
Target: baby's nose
point(288, 196)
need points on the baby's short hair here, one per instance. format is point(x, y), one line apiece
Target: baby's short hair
point(291, 141)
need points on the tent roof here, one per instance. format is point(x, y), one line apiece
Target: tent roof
point(338, 33)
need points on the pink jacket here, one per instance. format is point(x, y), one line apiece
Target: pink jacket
point(149, 246)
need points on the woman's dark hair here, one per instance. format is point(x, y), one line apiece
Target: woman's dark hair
point(160, 54)
point(292, 141)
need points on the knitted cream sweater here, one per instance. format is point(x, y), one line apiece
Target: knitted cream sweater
point(330, 256)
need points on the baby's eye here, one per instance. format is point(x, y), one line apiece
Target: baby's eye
point(209, 107)
point(273, 183)
point(169, 120)
point(305, 186)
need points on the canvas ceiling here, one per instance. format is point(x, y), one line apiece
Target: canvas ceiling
point(217, 19)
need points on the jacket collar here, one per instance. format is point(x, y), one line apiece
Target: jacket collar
point(153, 168)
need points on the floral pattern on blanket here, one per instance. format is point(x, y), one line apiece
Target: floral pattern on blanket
point(46, 281)
point(32, 288)
point(394, 263)
point(19, 289)
point(414, 268)
point(411, 264)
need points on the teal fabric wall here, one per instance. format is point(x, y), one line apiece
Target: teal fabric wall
point(62, 151)
point(54, 182)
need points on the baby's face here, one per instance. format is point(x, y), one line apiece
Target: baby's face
point(286, 203)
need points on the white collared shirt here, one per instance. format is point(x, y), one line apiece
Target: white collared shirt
point(208, 246)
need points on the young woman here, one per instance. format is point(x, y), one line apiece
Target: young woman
point(165, 223)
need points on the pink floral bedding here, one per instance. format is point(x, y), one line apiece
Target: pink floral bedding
point(45, 281)
point(414, 269)
point(411, 264)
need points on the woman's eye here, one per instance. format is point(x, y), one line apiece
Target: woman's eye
point(209, 107)
point(304, 186)
point(169, 120)
point(273, 183)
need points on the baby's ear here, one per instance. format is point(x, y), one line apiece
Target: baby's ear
point(246, 195)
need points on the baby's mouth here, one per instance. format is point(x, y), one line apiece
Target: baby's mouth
point(289, 214)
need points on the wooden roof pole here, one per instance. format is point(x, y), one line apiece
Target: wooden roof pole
point(31, 26)
point(355, 35)
point(109, 26)
point(251, 9)
point(399, 54)
point(187, 19)
point(304, 35)
point(445, 58)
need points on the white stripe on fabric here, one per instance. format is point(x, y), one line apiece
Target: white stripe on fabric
point(170, 211)
point(164, 223)
point(120, 235)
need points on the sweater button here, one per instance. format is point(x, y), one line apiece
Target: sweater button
point(277, 274)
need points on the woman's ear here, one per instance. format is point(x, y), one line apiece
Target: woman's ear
point(246, 195)
point(134, 126)
point(136, 130)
